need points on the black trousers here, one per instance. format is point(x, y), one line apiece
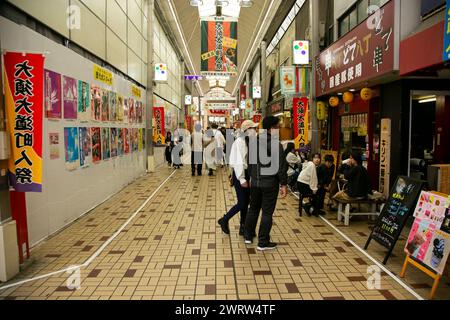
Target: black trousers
point(243, 196)
point(264, 199)
point(320, 197)
point(197, 162)
point(305, 190)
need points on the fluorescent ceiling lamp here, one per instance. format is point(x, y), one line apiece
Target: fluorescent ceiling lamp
point(172, 10)
point(222, 83)
point(218, 78)
point(207, 8)
point(428, 100)
point(233, 9)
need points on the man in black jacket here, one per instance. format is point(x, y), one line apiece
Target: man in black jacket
point(325, 174)
point(266, 177)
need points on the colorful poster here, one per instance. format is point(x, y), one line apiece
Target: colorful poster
point(134, 140)
point(106, 142)
point(112, 106)
point(288, 80)
point(105, 106)
point(139, 112)
point(71, 147)
point(96, 103)
point(438, 251)
point(120, 142)
point(131, 111)
point(140, 139)
point(85, 146)
point(446, 53)
point(70, 98)
point(419, 239)
point(84, 101)
point(54, 145)
point(432, 207)
point(302, 81)
point(219, 47)
point(114, 142)
point(53, 95)
point(96, 145)
point(126, 140)
point(446, 224)
point(301, 122)
point(24, 88)
point(126, 111)
point(120, 108)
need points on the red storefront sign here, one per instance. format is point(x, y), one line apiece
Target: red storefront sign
point(301, 121)
point(188, 123)
point(218, 113)
point(365, 53)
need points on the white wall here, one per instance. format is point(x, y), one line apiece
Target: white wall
point(69, 194)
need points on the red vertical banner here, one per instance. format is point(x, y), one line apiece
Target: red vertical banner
point(188, 123)
point(158, 115)
point(257, 118)
point(24, 89)
point(243, 92)
point(301, 121)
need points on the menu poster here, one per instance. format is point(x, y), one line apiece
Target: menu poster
point(420, 238)
point(431, 206)
point(438, 251)
point(399, 207)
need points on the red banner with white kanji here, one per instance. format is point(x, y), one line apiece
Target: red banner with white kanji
point(301, 121)
point(24, 89)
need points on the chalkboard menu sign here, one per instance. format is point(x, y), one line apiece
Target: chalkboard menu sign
point(399, 207)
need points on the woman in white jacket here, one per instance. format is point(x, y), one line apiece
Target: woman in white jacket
point(308, 183)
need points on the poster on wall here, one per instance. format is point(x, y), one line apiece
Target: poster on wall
point(112, 106)
point(96, 103)
point(446, 53)
point(120, 108)
point(141, 139)
point(24, 88)
point(96, 145)
point(120, 146)
point(85, 147)
point(131, 111)
point(126, 140)
point(105, 106)
point(114, 142)
point(53, 95)
point(84, 101)
point(139, 112)
point(106, 151)
point(71, 147)
point(54, 145)
point(431, 206)
point(301, 122)
point(219, 47)
point(70, 98)
point(126, 111)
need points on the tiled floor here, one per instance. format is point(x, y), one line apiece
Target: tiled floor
point(173, 249)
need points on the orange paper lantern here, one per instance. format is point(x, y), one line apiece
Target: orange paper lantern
point(366, 94)
point(347, 97)
point(334, 101)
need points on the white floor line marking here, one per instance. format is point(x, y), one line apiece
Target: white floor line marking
point(99, 251)
point(393, 276)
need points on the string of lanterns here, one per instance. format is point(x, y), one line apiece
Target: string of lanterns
point(348, 97)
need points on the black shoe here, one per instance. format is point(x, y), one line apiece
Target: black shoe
point(322, 213)
point(224, 225)
point(193, 174)
point(210, 173)
point(242, 230)
point(269, 246)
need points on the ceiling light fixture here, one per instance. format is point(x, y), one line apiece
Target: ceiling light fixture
point(251, 53)
point(172, 10)
point(246, 3)
point(428, 100)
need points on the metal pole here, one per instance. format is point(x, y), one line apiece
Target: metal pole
point(150, 158)
point(263, 79)
point(314, 23)
point(5, 208)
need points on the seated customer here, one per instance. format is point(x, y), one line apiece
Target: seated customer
point(294, 163)
point(325, 173)
point(358, 186)
point(308, 183)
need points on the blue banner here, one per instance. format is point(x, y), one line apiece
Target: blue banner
point(446, 55)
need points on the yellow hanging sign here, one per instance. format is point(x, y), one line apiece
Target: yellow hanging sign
point(103, 75)
point(135, 91)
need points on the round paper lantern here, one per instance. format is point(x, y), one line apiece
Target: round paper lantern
point(366, 94)
point(321, 111)
point(347, 97)
point(334, 101)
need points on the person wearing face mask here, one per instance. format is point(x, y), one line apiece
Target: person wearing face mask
point(240, 176)
point(268, 179)
point(308, 184)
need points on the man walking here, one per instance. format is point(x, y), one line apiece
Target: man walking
point(197, 150)
point(266, 177)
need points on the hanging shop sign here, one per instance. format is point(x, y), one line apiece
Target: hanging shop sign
point(188, 123)
point(446, 55)
point(301, 52)
point(218, 105)
point(218, 113)
point(193, 78)
point(103, 75)
point(385, 156)
point(219, 47)
point(257, 93)
point(136, 91)
point(158, 114)
point(302, 81)
point(161, 74)
point(248, 106)
point(347, 97)
point(301, 122)
point(288, 80)
point(366, 52)
point(24, 88)
point(399, 207)
point(187, 100)
point(334, 101)
point(321, 111)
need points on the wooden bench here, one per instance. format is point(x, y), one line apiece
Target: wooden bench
point(345, 206)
